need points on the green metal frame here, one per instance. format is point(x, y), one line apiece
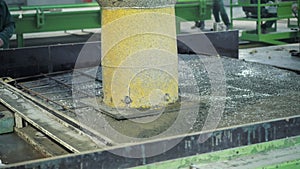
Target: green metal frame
point(232, 154)
point(52, 18)
point(273, 37)
point(192, 10)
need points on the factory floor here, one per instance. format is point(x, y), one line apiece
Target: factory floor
point(278, 56)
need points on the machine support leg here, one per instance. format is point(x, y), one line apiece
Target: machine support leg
point(20, 40)
point(19, 121)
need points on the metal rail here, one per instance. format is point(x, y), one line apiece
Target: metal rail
point(87, 16)
point(280, 154)
point(57, 115)
point(66, 135)
point(191, 145)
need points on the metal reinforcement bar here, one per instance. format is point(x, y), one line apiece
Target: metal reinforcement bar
point(62, 132)
point(188, 145)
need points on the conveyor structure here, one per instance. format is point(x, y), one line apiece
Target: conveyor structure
point(47, 18)
point(266, 14)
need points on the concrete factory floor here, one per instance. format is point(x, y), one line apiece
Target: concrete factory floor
point(278, 56)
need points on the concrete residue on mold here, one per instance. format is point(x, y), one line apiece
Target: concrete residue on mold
point(254, 93)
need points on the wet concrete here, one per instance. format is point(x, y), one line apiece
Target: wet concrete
point(224, 92)
point(254, 92)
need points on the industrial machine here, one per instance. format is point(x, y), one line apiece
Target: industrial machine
point(266, 14)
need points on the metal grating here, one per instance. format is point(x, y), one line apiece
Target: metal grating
point(58, 91)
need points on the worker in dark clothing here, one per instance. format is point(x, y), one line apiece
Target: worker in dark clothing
point(218, 9)
point(7, 25)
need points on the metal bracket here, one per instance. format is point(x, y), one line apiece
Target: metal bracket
point(40, 17)
point(202, 8)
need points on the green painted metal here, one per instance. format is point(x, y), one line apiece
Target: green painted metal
point(48, 7)
point(295, 164)
point(231, 154)
point(42, 21)
point(56, 21)
point(193, 10)
point(272, 36)
point(53, 18)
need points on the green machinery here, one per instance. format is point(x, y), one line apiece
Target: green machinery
point(33, 19)
point(258, 11)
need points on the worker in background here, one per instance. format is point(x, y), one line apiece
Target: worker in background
point(217, 9)
point(7, 25)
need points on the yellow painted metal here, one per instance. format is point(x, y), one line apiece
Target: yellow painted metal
point(139, 57)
